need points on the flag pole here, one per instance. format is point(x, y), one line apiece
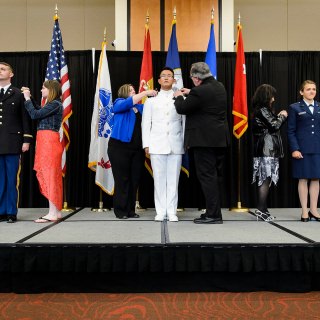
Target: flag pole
point(138, 207)
point(101, 207)
point(65, 207)
point(239, 207)
point(179, 209)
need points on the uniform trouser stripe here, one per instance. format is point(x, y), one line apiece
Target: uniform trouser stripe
point(9, 183)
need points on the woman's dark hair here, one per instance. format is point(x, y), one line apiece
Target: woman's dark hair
point(263, 95)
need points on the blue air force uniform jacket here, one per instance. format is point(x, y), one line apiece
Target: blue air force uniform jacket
point(304, 128)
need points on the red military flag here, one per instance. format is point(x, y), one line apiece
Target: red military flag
point(240, 108)
point(146, 75)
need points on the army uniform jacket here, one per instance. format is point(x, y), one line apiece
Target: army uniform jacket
point(15, 123)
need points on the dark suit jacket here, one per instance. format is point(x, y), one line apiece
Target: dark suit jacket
point(304, 128)
point(206, 115)
point(15, 128)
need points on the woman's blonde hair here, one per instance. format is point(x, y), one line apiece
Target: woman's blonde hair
point(54, 88)
point(124, 90)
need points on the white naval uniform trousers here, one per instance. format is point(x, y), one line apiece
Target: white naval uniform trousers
point(162, 133)
point(166, 171)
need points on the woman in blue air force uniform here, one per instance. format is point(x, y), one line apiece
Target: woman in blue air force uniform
point(304, 143)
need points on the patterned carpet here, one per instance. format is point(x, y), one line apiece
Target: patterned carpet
point(159, 306)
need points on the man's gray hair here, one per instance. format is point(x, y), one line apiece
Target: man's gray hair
point(200, 70)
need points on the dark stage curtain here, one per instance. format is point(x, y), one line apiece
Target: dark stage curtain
point(284, 70)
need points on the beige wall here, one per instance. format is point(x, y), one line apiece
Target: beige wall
point(279, 25)
point(26, 25)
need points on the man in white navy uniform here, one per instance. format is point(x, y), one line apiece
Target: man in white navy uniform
point(15, 137)
point(162, 139)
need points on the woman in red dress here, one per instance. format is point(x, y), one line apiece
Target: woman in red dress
point(48, 154)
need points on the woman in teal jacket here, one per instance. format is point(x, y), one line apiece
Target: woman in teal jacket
point(125, 149)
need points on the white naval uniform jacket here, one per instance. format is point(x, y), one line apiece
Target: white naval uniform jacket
point(162, 126)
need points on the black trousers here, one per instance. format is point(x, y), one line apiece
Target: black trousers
point(126, 165)
point(208, 162)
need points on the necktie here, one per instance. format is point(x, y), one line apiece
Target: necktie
point(1, 93)
point(311, 107)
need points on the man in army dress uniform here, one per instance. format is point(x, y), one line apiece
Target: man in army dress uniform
point(15, 137)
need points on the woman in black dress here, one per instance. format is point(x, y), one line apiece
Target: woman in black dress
point(267, 145)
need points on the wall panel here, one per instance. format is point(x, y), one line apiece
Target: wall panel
point(13, 25)
point(139, 10)
point(193, 23)
point(264, 24)
point(303, 25)
point(98, 15)
point(27, 25)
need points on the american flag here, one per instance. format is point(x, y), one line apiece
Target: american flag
point(57, 69)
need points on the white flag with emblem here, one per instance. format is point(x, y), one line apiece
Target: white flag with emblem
point(101, 127)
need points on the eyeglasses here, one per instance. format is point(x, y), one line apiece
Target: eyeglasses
point(166, 76)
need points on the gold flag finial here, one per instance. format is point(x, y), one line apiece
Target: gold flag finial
point(56, 13)
point(239, 19)
point(174, 13)
point(147, 17)
point(105, 34)
point(212, 14)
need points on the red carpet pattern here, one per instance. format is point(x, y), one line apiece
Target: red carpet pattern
point(159, 306)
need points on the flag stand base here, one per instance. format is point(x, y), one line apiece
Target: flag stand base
point(180, 209)
point(239, 208)
point(139, 208)
point(66, 208)
point(100, 209)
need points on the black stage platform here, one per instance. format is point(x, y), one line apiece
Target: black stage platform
point(95, 252)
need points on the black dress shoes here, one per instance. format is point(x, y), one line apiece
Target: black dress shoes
point(11, 218)
point(3, 217)
point(123, 217)
point(134, 215)
point(312, 216)
point(208, 220)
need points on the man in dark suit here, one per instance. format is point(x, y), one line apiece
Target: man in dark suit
point(206, 132)
point(15, 137)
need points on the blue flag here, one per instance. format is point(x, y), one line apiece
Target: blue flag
point(211, 56)
point(173, 60)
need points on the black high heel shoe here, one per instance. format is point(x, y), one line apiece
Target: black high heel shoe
point(311, 216)
point(305, 219)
